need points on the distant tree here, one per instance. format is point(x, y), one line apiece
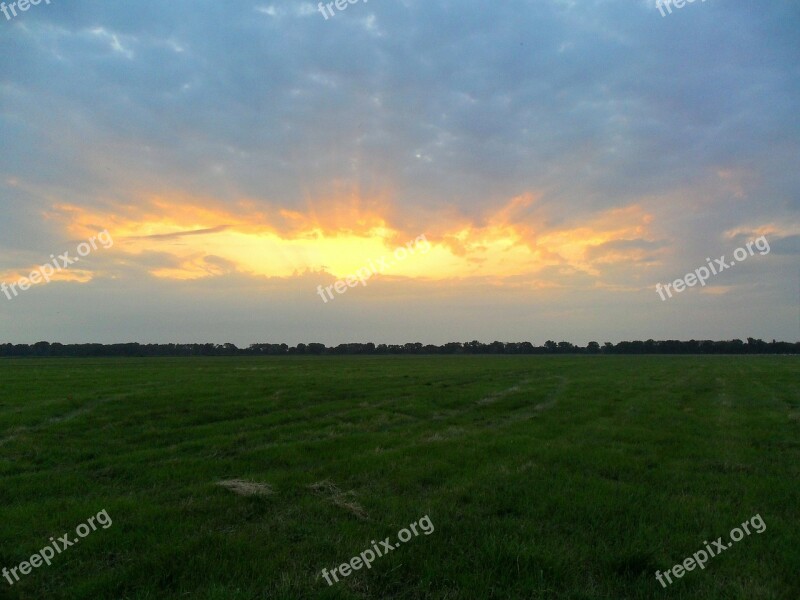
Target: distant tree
point(474, 347)
point(753, 346)
point(41, 349)
point(497, 348)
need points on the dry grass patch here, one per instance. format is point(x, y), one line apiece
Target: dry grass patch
point(447, 434)
point(339, 498)
point(246, 488)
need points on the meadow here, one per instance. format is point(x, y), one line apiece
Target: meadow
point(544, 476)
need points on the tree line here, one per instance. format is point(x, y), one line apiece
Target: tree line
point(752, 346)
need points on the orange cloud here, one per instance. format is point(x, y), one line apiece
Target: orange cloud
point(203, 237)
point(71, 275)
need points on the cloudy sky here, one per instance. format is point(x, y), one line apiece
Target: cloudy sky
point(554, 160)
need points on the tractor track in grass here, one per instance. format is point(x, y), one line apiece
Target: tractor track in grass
point(453, 430)
point(71, 415)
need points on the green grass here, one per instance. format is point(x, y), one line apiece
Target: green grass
point(545, 477)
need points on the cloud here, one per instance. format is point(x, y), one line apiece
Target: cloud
point(551, 144)
point(180, 234)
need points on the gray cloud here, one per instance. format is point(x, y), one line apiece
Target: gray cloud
point(447, 104)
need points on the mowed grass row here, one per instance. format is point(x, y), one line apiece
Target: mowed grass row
point(545, 477)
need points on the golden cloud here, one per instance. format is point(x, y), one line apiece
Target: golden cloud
point(203, 237)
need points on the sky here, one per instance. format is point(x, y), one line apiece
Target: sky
point(522, 170)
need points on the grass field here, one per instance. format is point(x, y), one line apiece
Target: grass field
point(544, 477)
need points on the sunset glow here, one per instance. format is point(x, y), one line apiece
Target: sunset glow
point(543, 152)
